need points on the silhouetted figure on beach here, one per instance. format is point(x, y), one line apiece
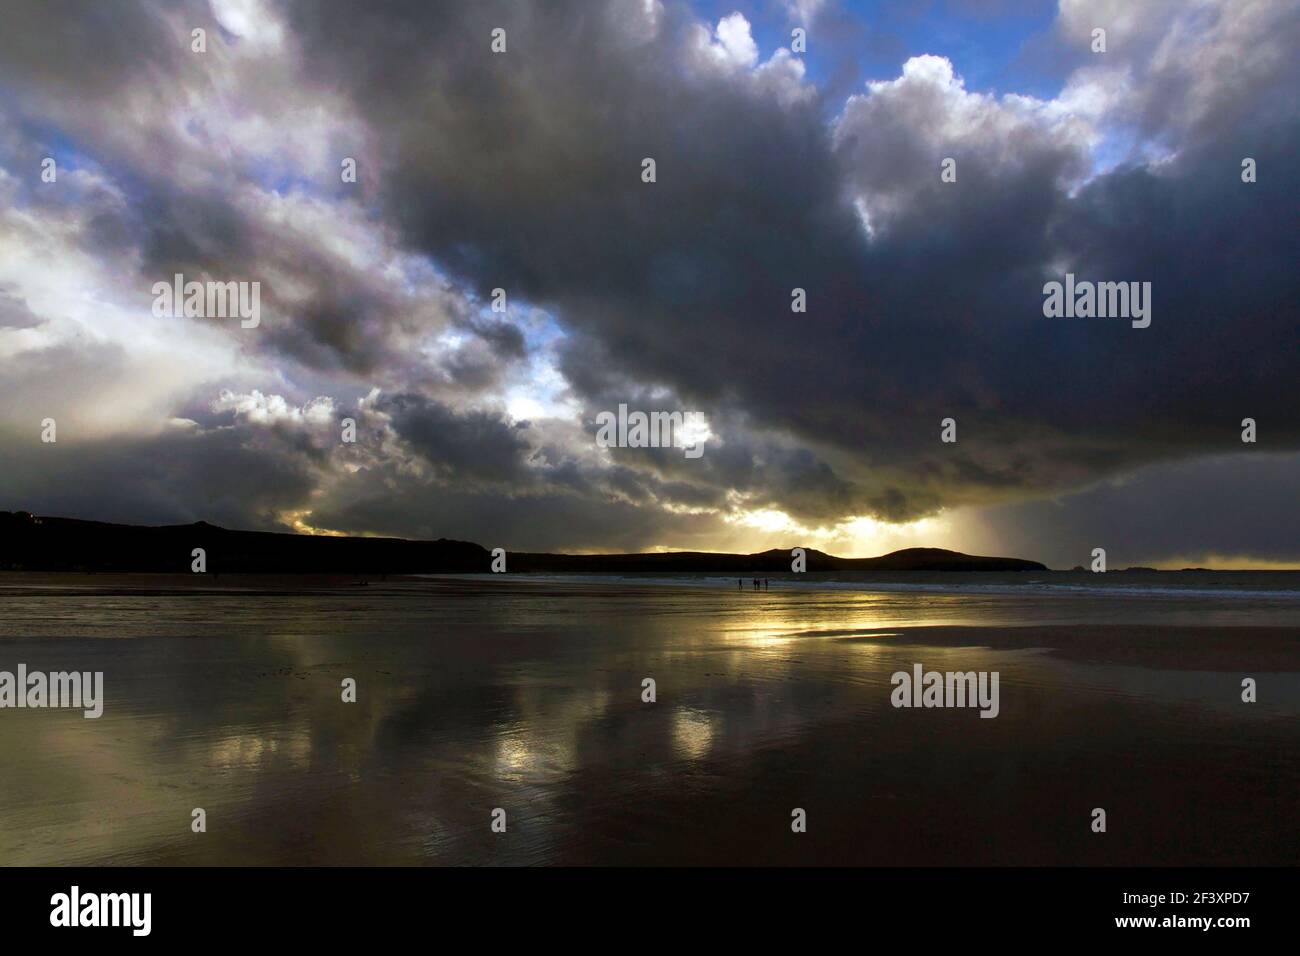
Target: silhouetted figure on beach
point(739, 585)
point(765, 584)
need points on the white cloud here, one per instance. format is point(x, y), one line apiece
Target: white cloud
point(894, 136)
point(734, 36)
point(731, 48)
point(263, 409)
point(730, 45)
point(250, 20)
point(803, 11)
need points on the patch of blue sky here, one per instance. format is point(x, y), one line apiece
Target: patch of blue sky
point(43, 139)
point(986, 40)
point(540, 328)
point(275, 177)
point(23, 158)
point(57, 144)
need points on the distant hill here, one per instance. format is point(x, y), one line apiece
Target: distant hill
point(32, 543)
point(36, 543)
point(767, 562)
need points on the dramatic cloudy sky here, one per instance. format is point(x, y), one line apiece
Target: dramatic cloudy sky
point(775, 170)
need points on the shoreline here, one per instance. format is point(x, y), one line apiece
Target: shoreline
point(1143, 584)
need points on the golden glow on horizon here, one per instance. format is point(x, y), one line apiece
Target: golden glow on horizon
point(749, 532)
point(854, 537)
point(762, 529)
point(1224, 562)
point(297, 520)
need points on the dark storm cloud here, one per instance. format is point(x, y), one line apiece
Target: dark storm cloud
point(504, 338)
point(538, 519)
point(473, 445)
point(479, 455)
point(522, 171)
point(1200, 513)
point(105, 88)
point(235, 477)
point(89, 50)
point(322, 312)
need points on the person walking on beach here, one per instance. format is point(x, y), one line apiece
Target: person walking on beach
point(738, 585)
point(765, 584)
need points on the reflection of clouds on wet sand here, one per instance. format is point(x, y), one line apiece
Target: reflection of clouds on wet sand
point(692, 734)
point(253, 750)
point(540, 745)
point(469, 701)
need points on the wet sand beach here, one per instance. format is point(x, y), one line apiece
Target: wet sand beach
point(526, 694)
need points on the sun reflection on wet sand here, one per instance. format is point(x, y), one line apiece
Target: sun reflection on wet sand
point(692, 734)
